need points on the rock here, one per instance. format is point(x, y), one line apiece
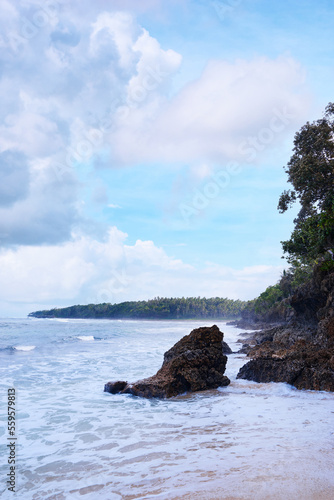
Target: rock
point(195, 363)
point(300, 352)
point(304, 361)
point(115, 387)
point(226, 348)
point(312, 301)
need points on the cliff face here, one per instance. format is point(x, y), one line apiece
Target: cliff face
point(280, 312)
point(301, 351)
point(314, 301)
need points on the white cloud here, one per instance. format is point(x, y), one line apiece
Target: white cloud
point(66, 82)
point(39, 135)
point(14, 177)
point(153, 69)
point(145, 252)
point(211, 117)
point(62, 85)
point(85, 270)
point(58, 272)
point(117, 30)
point(105, 84)
point(43, 210)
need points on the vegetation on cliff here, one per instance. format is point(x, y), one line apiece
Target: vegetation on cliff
point(311, 173)
point(301, 351)
point(158, 308)
point(311, 245)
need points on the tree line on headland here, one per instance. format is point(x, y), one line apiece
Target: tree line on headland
point(309, 250)
point(157, 308)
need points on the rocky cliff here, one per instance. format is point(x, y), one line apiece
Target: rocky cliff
point(300, 351)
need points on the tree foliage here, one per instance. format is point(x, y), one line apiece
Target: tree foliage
point(268, 298)
point(273, 304)
point(158, 308)
point(311, 173)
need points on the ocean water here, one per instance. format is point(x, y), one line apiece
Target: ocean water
point(245, 441)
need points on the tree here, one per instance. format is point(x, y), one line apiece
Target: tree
point(311, 173)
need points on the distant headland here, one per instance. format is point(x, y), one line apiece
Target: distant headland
point(157, 308)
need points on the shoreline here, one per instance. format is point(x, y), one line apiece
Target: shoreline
point(246, 440)
point(209, 318)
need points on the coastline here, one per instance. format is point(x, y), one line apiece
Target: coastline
point(298, 354)
point(246, 440)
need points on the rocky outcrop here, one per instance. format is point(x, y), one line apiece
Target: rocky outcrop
point(304, 364)
point(301, 352)
point(195, 363)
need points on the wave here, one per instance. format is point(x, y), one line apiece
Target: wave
point(85, 337)
point(273, 389)
point(24, 347)
point(13, 348)
point(60, 320)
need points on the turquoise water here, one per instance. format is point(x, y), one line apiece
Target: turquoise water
point(244, 441)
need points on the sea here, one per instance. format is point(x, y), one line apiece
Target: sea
point(74, 441)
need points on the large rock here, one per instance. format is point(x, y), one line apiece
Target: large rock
point(195, 363)
point(306, 363)
point(300, 352)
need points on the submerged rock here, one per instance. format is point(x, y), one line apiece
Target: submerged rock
point(195, 363)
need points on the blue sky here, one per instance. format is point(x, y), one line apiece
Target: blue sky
point(142, 144)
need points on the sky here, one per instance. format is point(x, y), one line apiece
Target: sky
point(143, 145)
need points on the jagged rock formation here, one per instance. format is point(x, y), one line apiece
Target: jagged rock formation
point(195, 363)
point(300, 352)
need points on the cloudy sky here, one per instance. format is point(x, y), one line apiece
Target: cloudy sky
point(142, 144)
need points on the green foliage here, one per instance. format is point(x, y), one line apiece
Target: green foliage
point(271, 303)
point(301, 273)
point(311, 173)
point(312, 237)
point(326, 263)
point(158, 308)
point(267, 299)
point(328, 266)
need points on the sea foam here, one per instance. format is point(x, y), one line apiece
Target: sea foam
point(24, 347)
